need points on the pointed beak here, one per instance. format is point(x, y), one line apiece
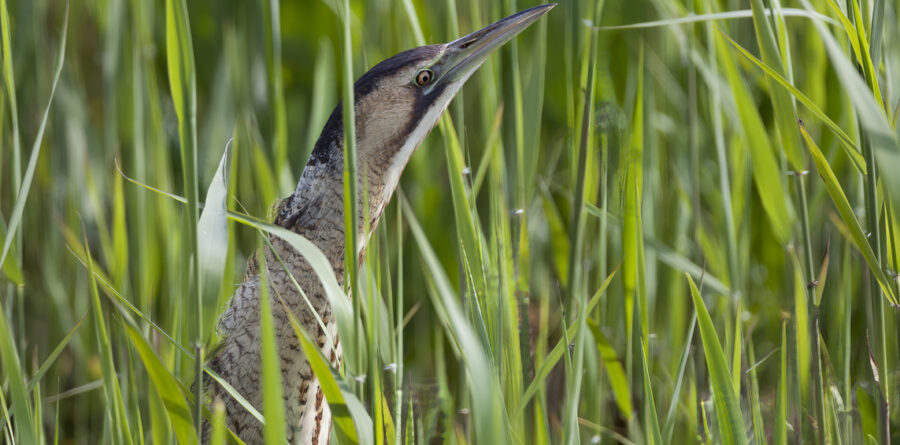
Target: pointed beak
point(465, 54)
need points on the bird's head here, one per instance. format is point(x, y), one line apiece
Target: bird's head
point(400, 100)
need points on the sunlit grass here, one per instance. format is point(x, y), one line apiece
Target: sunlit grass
point(652, 222)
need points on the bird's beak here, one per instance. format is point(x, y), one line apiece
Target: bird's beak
point(464, 55)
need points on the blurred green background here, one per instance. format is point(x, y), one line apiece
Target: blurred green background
point(654, 151)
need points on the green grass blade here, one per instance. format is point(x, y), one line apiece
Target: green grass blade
point(669, 426)
point(351, 421)
point(868, 67)
point(651, 422)
point(21, 405)
point(728, 408)
point(23, 189)
point(779, 428)
point(469, 236)
point(38, 414)
point(9, 81)
point(839, 198)
point(736, 350)
point(217, 435)
point(849, 29)
point(273, 400)
point(168, 388)
point(869, 110)
point(183, 85)
point(767, 176)
point(11, 267)
point(120, 232)
point(759, 428)
point(631, 224)
point(9, 430)
point(614, 371)
point(560, 244)
point(847, 143)
point(272, 27)
point(712, 17)
point(410, 9)
point(323, 86)
point(180, 62)
point(351, 182)
point(801, 324)
point(398, 330)
point(36, 378)
point(111, 388)
point(782, 104)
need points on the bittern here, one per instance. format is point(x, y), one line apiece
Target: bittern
point(396, 103)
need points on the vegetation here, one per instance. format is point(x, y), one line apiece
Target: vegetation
point(639, 222)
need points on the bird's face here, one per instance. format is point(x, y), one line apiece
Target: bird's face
point(400, 100)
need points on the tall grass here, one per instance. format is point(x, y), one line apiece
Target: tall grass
point(651, 222)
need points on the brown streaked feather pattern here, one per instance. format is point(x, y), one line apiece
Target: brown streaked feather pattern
point(315, 210)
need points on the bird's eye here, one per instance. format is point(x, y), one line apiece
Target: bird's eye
point(424, 77)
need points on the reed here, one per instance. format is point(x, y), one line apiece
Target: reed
point(650, 222)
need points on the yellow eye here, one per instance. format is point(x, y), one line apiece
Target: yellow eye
point(424, 77)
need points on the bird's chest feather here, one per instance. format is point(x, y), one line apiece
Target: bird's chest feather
point(306, 412)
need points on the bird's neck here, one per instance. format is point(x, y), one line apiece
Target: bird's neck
point(316, 208)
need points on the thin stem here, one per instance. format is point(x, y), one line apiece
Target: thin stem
point(818, 391)
point(350, 182)
point(876, 300)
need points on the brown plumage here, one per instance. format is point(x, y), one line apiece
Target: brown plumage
point(397, 103)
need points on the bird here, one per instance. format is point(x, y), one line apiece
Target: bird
point(396, 105)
